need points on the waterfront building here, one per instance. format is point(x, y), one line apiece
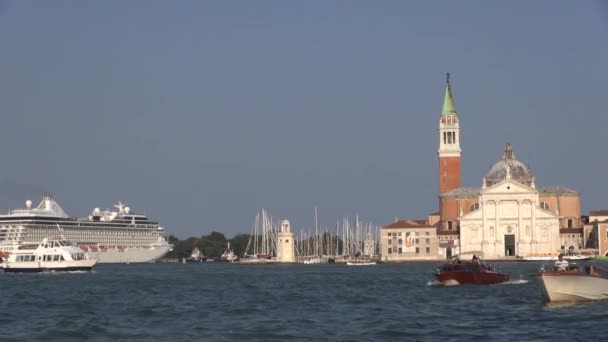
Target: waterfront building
point(408, 240)
point(285, 244)
point(508, 215)
point(595, 232)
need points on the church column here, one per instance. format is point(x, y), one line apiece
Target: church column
point(520, 241)
point(497, 226)
point(533, 242)
point(483, 222)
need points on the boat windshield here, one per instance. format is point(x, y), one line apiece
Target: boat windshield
point(466, 267)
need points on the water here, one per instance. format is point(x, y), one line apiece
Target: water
point(224, 302)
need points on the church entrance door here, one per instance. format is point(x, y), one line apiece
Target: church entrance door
point(509, 245)
point(448, 253)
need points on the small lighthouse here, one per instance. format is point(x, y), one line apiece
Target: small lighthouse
point(285, 244)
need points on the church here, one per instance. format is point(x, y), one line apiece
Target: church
point(508, 215)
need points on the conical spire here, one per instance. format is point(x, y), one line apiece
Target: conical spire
point(448, 101)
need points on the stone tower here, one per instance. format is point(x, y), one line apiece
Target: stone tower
point(285, 245)
point(449, 144)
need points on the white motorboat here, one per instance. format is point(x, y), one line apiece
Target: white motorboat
point(48, 255)
point(536, 257)
point(360, 262)
point(575, 257)
point(575, 284)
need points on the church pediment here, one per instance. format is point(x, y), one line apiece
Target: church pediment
point(508, 186)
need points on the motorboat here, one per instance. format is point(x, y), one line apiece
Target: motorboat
point(475, 272)
point(196, 256)
point(536, 257)
point(576, 256)
point(48, 255)
point(360, 262)
point(575, 283)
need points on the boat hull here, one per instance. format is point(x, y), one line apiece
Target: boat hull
point(350, 263)
point(35, 267)
point(130, 254)
point(476, 278)
point(573, 286)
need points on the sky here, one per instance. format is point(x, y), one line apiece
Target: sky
point(201, 113)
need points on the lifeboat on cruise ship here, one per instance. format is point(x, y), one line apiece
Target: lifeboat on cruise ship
point(575, 283)
point(93, 248)
point(84, 248)
point(103, 248)
point(475, 272)
point(120, 248)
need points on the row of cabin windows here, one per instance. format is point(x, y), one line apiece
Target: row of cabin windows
point(400, 250)
point(31, 258)
point(53, 258)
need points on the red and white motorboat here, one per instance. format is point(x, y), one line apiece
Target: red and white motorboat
point(575, 284)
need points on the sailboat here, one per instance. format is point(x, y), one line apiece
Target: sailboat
point(317, 257)
point(261, 247)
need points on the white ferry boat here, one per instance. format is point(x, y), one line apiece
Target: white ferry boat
point(109, 236)
point(48, 255)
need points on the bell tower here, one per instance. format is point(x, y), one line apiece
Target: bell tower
point(449, 143)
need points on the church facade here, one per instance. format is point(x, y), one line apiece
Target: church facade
point(508, 215)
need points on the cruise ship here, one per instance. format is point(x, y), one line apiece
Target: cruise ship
point(117, 236)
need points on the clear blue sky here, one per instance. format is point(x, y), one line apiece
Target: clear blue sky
point(203, 112)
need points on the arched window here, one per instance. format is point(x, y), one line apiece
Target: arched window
point(544, 205)
point(474, 206)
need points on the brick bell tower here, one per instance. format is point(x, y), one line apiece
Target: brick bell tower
point(449, 144)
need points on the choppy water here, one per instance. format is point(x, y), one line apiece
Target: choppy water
point(223, 302)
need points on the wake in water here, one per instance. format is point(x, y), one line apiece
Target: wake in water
point(438, 283)
point(516, 282)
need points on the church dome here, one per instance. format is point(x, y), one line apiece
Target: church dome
point(511, 167)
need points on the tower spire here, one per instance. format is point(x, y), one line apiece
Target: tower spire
point(448, 101)
point(449, 144)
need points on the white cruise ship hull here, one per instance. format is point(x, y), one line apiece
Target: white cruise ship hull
point(130, 254)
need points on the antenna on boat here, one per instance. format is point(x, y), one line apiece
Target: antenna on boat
point(60, 232)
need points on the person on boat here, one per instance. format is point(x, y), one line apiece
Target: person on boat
point(475, 259)
point(561, 264)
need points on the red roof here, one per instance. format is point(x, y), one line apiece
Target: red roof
point(598, 213)
point(408, 224)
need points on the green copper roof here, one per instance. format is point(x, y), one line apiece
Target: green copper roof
point(448, 101)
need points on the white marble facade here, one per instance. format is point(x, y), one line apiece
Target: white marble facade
point(509, 221)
